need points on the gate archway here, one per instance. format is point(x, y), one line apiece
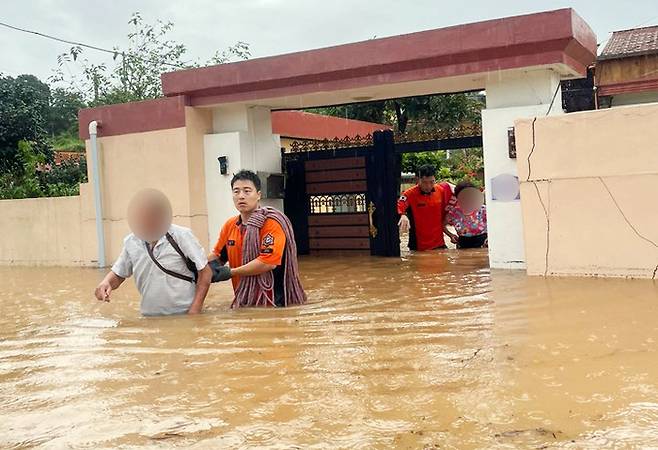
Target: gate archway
point(225, 110)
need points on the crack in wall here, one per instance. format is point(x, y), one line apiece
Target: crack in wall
point(627, 220)
point(548, 209)
point(534, 121)
point(547, 214)
point(532, 150)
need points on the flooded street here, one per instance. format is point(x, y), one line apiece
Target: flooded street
point(434, 351)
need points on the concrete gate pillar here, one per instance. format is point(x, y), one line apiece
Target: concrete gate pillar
point(242, 134)
point(510, 96)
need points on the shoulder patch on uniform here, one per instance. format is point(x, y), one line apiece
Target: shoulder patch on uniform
point(268, 240)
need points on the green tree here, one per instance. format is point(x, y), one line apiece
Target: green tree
point(135, 72)
point(429, 112)
point(63, 111)
point(440, 111)
point(466, 164)
point(425, 113)
point(22, 183)
point(29, 111)
point(412, 161)
point(24, 103)
point(64, 179)
point(376, 112)
point(38, 179)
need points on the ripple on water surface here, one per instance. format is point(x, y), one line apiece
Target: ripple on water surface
point(425, 351)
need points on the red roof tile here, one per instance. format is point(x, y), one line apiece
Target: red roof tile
point(635, 42)
point(303, 125)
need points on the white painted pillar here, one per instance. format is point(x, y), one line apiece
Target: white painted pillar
point(510, 96)
point(242, 134)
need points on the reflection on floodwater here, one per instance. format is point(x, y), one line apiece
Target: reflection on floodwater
point(434, 351)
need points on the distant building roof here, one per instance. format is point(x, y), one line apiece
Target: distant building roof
point(634, 42)
point(303, 125)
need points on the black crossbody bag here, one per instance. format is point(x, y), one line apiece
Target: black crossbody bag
point(188, 262)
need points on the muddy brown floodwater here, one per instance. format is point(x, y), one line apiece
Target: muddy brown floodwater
point(434, 351)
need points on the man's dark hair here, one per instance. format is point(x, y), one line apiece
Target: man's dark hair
point(426, 170)
point(246, 175)
point(464, 185)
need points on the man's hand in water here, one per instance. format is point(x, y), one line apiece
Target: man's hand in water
point(403, 224)
point(103, 291)
point(111, 282)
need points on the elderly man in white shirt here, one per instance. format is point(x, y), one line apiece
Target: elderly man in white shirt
point(170, 266)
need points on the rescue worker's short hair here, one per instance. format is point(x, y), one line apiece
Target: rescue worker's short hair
point(246, 175)
point(426, 170)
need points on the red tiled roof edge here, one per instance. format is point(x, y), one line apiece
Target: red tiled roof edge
point(632, 42)
point(304, 125)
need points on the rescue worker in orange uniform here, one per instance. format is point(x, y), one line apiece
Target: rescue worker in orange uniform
point(228, 249)
point(422, 211)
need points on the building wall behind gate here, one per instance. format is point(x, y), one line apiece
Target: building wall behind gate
point(589, 198)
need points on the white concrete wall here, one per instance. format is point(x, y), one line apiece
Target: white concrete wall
point(244, 135)
point(218, 186)
point(510, 97)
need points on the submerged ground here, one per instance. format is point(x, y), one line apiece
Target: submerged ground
point(435, 351)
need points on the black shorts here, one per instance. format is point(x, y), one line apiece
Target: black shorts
point(472, 241)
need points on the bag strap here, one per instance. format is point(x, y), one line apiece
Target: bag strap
point(188, 262)
point(149, 250)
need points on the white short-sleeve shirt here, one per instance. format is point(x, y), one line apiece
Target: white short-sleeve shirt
point(162, 294)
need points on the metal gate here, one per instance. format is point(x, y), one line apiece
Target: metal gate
point(335, 197)
point(341, 195)
point(336, 191)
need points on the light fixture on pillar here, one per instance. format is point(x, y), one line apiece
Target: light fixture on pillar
point(511, 143)
point(223, 165)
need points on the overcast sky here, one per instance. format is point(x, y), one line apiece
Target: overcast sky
point(269, 26)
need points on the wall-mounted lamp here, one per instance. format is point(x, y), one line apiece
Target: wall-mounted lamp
point(223, 165)
point(511, 143)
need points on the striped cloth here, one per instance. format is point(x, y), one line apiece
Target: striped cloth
point(258, 290)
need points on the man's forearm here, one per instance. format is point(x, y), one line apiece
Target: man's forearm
point(114, 279)
point(255, 267)
point(202, 286)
